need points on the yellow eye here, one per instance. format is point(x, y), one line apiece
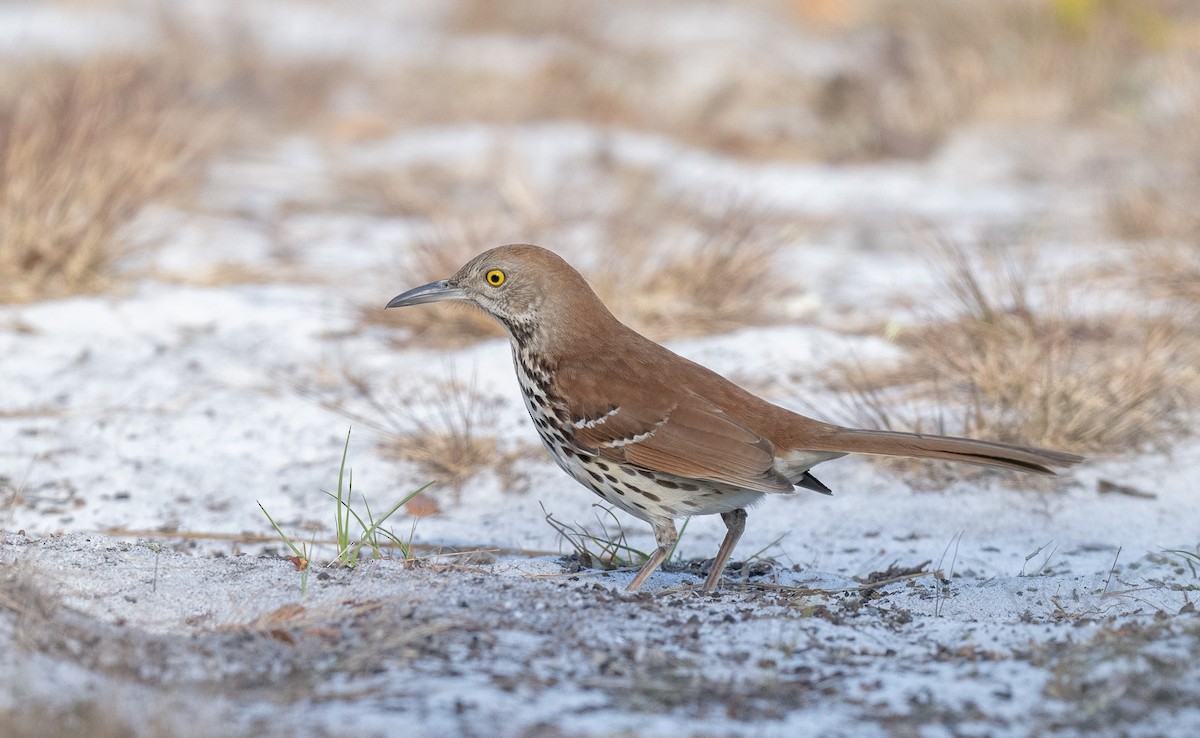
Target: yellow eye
point(495, 277)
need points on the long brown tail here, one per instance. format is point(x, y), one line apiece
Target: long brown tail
point(982, 453)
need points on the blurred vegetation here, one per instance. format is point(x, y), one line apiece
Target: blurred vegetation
point(83, 148)
point(89, 143)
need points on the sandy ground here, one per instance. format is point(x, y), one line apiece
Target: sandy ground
point(523, 647)
point(142, 589)
point(1015, 611)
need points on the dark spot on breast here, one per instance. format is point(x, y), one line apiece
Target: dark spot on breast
point(610, 478)
point(646, 474)
point(568, 452)
point(602, 465)
point(619, 491)
point(666, 483)
point(595, 476)
point(689, 487)
point(631, 488)
point(691, 503)
point(522, 333)
point(651, 496)
point(639, 505)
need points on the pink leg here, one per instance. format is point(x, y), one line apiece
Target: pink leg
point(735, 521)
point(665, 535)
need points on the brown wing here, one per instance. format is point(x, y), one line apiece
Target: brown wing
point(690, 437)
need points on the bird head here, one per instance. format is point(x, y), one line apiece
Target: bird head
point(519, 285)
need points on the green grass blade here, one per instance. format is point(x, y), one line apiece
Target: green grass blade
point(341, 519)
point(282, 535)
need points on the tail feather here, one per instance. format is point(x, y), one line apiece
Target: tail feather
point(808, 481)
point(966, 450)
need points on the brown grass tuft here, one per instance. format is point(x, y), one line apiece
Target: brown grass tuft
point(457, 441)
point(84, 147)
point(87, 144)
point(703, 273)
point(1150, 212)
point(452, 442)
point(450, 446)
point(1027, 370)
point(1170, 270)
point(666, 266)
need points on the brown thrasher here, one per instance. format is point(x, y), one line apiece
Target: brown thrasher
point(657, 435)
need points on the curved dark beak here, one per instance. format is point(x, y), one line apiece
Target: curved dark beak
point(432, 292)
